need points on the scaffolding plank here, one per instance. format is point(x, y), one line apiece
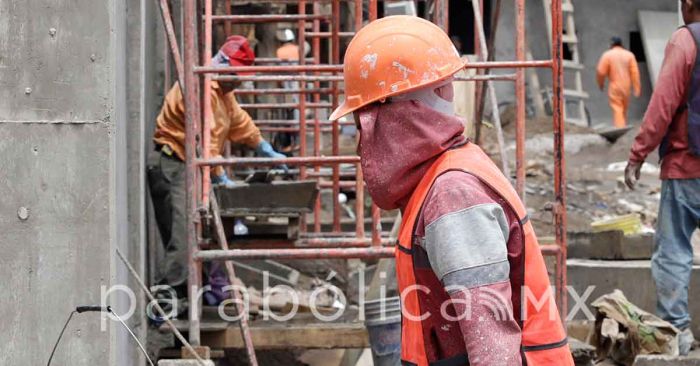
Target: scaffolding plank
point(656, 28)
point(278, 335)
point(278, 197)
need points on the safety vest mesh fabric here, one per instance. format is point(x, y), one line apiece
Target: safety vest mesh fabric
point(543, 336)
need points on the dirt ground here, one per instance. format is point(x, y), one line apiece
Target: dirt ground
point(594, 175)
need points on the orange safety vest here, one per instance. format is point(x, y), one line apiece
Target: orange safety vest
point(544, 340)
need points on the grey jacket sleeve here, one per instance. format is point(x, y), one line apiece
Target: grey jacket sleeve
point(468, 248)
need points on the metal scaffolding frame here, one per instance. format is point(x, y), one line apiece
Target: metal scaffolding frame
point(195, 74)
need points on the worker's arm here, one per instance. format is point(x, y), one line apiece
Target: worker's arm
point(634, 76)
point(466, 235)
point(669, 94)
point(242, 129)
point(217, 135)
point(602, 70)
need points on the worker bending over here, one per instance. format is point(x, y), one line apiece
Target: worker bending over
point(672, 123)
point(166, 169)
point(620, 67)
point(474, 287)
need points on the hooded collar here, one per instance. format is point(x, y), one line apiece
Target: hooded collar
point(399, 141)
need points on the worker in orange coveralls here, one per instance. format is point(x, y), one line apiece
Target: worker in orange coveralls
point(620, 67)
point(166, 167)
point(473, 283)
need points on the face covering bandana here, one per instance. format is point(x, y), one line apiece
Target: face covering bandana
point(219, 60)
point(399, 140)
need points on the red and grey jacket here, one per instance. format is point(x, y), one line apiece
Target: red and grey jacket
point(543, 336)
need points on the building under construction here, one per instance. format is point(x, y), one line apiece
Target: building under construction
point(82, 83)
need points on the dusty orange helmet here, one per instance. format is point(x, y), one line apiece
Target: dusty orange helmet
point(394, 55)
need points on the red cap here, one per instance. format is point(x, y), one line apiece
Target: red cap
point(239, 53)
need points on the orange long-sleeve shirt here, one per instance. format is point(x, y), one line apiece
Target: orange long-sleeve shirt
point(620, 66)
point(230, 122)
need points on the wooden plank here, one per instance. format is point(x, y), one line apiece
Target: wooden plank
point(271, 335)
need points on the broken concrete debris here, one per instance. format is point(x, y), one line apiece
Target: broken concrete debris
point(623, 331)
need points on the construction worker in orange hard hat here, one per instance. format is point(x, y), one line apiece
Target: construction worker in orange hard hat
point(473, 283)
point(620, 67)
point(166, 166)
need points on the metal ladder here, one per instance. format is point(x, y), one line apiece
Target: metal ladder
point(575, 96)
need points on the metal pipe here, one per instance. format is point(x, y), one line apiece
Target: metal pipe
point(172, 40)
point(497, 77)
point(245, 2)
point(376, 225)
point(329, 78)
point(227, 25)
point(293, 161)
point(167, 72)
point(341, 184)
point(206, 100)
point(192, 110)
point(158, 308)
point(508, 64)
point(316, 50)
point(559, 157)
point(286, 122)
point(520, 100)
point(235, 293)
point(275, 60)
point(290, 129)
point(302, 98)
point(269, 18)
point(477, 44)
point(302, 67)
point(301, 104)
point(359, 203)
point(278, 78)
point(550, 249)
point(335, 136)
point(339, 242)
point(372, 10)
point(480, 90)
point(492, 92)
point(321, 253)
point(329, 34)
point(260, 91)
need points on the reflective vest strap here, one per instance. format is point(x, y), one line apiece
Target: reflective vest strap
point(542, 347)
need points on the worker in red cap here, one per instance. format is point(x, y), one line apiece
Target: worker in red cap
point(166, 166)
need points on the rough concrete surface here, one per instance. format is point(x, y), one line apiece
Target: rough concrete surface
point(656, 28)
point(655, 360)
point(55, 60)
point(58, 257)
point(613, 245)
point(631, 277)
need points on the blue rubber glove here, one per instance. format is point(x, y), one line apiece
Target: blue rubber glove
point(222, 180)
point(265, 149)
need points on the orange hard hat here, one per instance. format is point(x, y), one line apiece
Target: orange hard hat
point(392, 56)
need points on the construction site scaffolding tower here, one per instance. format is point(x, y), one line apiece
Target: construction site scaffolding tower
point(198, 127)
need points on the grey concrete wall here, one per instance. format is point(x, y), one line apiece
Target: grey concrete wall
point(596, 21)
point(71, 90)
point(633, 278)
